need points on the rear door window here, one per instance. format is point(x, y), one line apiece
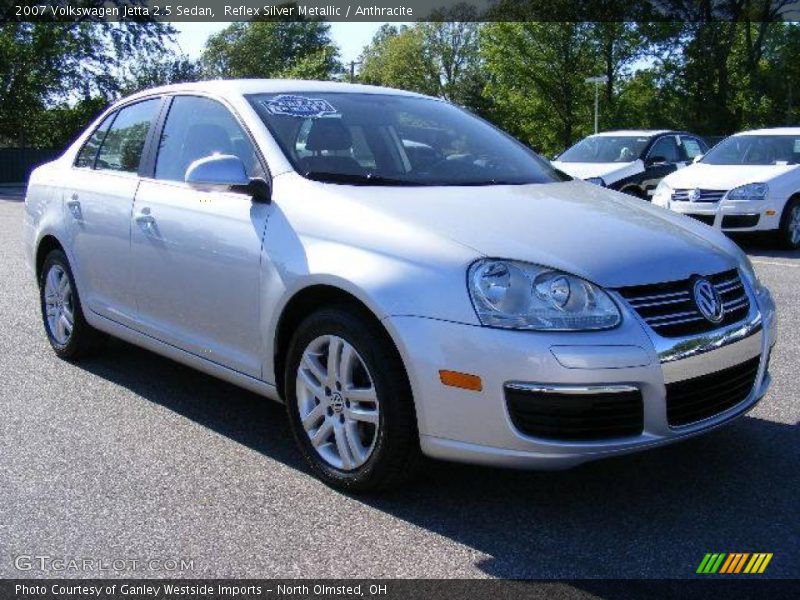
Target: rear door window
point(121, 150)
point(88, 153)
point(667, 149)
point(692, 147)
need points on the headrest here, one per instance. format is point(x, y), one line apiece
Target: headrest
point(328, 134)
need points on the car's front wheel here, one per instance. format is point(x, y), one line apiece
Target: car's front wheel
point(67, 330)
point(349, 402)
point(789, 233)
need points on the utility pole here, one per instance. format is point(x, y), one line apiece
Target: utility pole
point(597, 81)
point(353, 64)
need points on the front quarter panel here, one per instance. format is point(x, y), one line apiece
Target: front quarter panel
point(316, 236)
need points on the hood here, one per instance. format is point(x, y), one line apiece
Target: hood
point(610, 172)
point(724, 177)
point(603, 236)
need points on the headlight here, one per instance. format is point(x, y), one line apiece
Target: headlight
point(517, 295)
point(663, 194)
point(596, 181)
point(751, 191)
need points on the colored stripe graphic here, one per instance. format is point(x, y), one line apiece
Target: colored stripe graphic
point(722, 563)
point(711, 563)
point(758, 563)
point(734, 563)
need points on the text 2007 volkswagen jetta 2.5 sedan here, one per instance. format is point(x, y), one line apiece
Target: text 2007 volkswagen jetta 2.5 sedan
point(407, 278)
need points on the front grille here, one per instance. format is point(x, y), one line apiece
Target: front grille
point(738, 221)
point(575, 417)
point(704, 195)
point(702, 397)
point(669, 308)
point(707, 219)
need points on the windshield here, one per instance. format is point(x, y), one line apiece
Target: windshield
point(755, 150)
point(606, 149)
point(376, 139)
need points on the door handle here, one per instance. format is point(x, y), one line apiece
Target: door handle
point(74, 207)
point(146, 220)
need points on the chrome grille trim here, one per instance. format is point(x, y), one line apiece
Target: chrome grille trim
point(670, 310)
point(682, 195)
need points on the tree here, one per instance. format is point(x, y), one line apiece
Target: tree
point(172, 68)
point(398, 58)
point(439, 57)
point(537, 77)
point(301, 49)
point(45, 64)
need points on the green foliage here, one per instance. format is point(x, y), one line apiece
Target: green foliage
point(300, 49)
point(528, 77)
point(537, 73)
point(44, 65)
point(440, 58)
point(142, 74)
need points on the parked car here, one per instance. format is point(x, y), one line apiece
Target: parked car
point(748, 182)
point(480, 307)
point(632, 162)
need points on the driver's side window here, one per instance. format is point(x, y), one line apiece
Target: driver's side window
point(198, 127)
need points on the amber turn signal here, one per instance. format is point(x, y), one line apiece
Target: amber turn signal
point(461, 380)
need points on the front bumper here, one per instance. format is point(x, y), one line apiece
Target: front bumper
point(476, 427)
point(733, 216)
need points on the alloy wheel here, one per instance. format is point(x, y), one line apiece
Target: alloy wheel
point(794, 225)
point(59, 307)
point(337, 401)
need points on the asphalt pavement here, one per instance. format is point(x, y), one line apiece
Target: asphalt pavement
point(129, 456)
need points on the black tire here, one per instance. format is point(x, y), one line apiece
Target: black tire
point(396, 455)
point(783, 234)
point(84, 339)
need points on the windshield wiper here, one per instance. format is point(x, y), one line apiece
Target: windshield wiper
point(355, 179)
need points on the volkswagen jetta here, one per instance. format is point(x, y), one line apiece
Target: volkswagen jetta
point(405, 277)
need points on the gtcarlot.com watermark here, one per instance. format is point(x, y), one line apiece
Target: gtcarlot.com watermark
point(70, 564)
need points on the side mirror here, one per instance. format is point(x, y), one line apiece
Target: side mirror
point(217, 170)
point(225, 171)
point(655, 161)
point(698, 158)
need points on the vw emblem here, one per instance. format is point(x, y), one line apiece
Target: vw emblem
point(708, 301)
point(694, 195)
point(337, 402)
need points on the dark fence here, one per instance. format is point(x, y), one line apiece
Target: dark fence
point(16, 164)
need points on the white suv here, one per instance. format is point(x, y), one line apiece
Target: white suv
point(407, 278)
point(748, 182)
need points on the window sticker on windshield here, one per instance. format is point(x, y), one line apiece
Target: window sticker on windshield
point(298, 106)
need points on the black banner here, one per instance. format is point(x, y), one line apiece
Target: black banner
point(400, 10)
point(390, 589)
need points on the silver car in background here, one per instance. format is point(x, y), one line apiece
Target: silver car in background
point(407, 279)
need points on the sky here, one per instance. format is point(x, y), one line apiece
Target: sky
point(350, 37)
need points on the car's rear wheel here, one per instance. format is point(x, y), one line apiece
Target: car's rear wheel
point(349, 402)
point(789, 233)
point(67, 330)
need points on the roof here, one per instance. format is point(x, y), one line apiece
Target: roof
point(636, 132)
point(267, 86)
point(772, 131)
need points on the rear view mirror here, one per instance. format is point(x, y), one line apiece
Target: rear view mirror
point(217, 170)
